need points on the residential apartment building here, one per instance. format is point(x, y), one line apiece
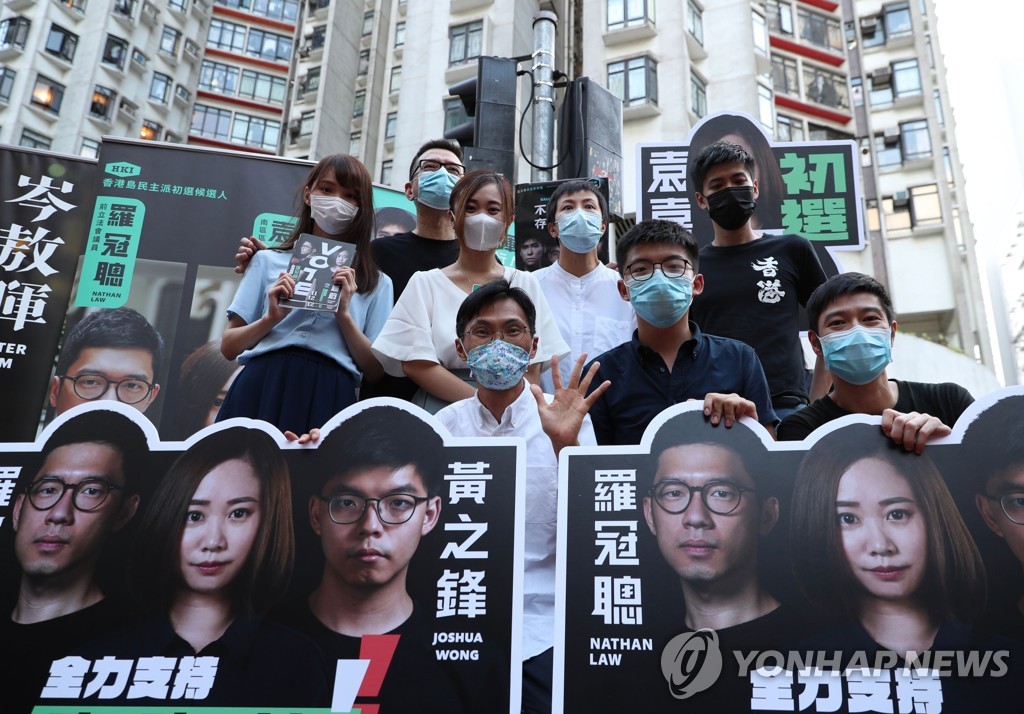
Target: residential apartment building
point(73, 71)
point(242, 89)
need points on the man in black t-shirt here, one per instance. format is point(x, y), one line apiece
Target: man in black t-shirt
point(81, 494)
point(853, 329)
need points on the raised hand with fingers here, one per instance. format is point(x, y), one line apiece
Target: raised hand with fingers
point(563, 417)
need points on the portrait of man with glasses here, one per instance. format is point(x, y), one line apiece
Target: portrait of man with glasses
point(81, 491)
point(109, 354)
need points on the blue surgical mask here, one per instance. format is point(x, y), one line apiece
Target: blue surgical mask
point(857, 355)
point(435, 188)
point(580, 230)
point(661, 301)
point(498, 365)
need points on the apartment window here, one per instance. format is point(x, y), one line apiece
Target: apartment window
point(627, 13)
point(218, 77)
point(268, 46)
point(634, 81)
point(698, 95)
point(178, 5)
point(385, 172)
point(695, 22)
point(150, 130)
point(169, 41)
point(355, 143)
point(34, 140)
point(140, 59)
point(6, 83)
point(887, 150)
point(76, 5)
point(311, 83)
point(90, 148)
point(364, 63)
point(396, 78)
point(400, 33)
point(103, 101)
point(826, 88)
point(47, 94)
point(906, 78)
point(940, 112)
point(182, 93)
point(287, 10)
point(765, 107)
point(894, 21)
point(160, 88)
point(915, 140)
point(124, 8)
point(820, 30)
point(925, 206)
point(947, 164)
point(780, 17)
point(816, 132)
point(319, 36)
point(897, 215)
point(359, 103)
point(61, 43)
point(788, 128)
point(256, 131)
point(760, 34)
point(226, 36)
point(265, 87)
point(454, 113)
point(114, 51)
point(367, 23)
point(306, 123)
point(390, 123)
point(785, 77)
point(465, 42)
point(210, 121)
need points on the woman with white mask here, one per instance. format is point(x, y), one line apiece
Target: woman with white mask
point(417, 339)
point(301, 367)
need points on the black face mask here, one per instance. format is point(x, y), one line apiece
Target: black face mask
point(731, 207)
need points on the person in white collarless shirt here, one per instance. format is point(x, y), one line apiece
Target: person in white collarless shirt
point(583, 294)
point(495, 329)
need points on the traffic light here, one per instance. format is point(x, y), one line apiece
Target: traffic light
point(488, 138)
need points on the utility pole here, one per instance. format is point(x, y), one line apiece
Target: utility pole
point(544, 25)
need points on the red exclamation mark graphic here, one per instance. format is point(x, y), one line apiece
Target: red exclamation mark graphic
point(379, 650)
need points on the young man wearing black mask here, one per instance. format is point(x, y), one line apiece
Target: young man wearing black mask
point(754, 283)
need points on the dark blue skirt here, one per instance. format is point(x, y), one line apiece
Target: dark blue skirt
point(292, 388)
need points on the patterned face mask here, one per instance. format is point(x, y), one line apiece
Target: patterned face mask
point(498, 365)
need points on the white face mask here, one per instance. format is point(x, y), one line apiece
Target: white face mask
point(331, 213)
point(482, 232)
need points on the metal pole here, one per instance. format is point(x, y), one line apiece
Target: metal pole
point(544, 26)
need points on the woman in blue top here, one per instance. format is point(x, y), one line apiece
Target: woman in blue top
point(301, 367)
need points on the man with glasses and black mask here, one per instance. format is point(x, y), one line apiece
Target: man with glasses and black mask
point(495, 332)
point(109, 354)
point(669, 360)
point(710, 505)
point(81, 493)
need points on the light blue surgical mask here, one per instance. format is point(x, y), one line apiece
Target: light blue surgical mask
point(498, 365)
point(857, 355)
point(580, 230)
point(435, 188)
point(661, 301)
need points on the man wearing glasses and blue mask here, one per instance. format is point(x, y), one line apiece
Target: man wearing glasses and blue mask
point(853, 329)
point(669, 360)
point(80, 495)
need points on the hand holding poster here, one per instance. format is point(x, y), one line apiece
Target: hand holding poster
point(715, 570)
point(386, 579)
point(314, 263)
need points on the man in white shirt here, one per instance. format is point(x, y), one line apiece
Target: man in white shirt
point(495, 329)
point(583, 293)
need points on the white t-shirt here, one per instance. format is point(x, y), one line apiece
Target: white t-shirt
point(469, 417)
point(422, 325)
point(590, 314)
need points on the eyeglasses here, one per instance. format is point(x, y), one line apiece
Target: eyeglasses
point(87, 495)
point(675, 268)
point(1012, 505)
point(392, 510)
point(93, 386)
point(430, 165)
point(719, 498)
point(482, 334)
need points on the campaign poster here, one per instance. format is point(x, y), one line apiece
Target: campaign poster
point(377, 571)
point(715, 570)
point(811, 189)
point(533, 245)
point(157, 273)
point(45, 207)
